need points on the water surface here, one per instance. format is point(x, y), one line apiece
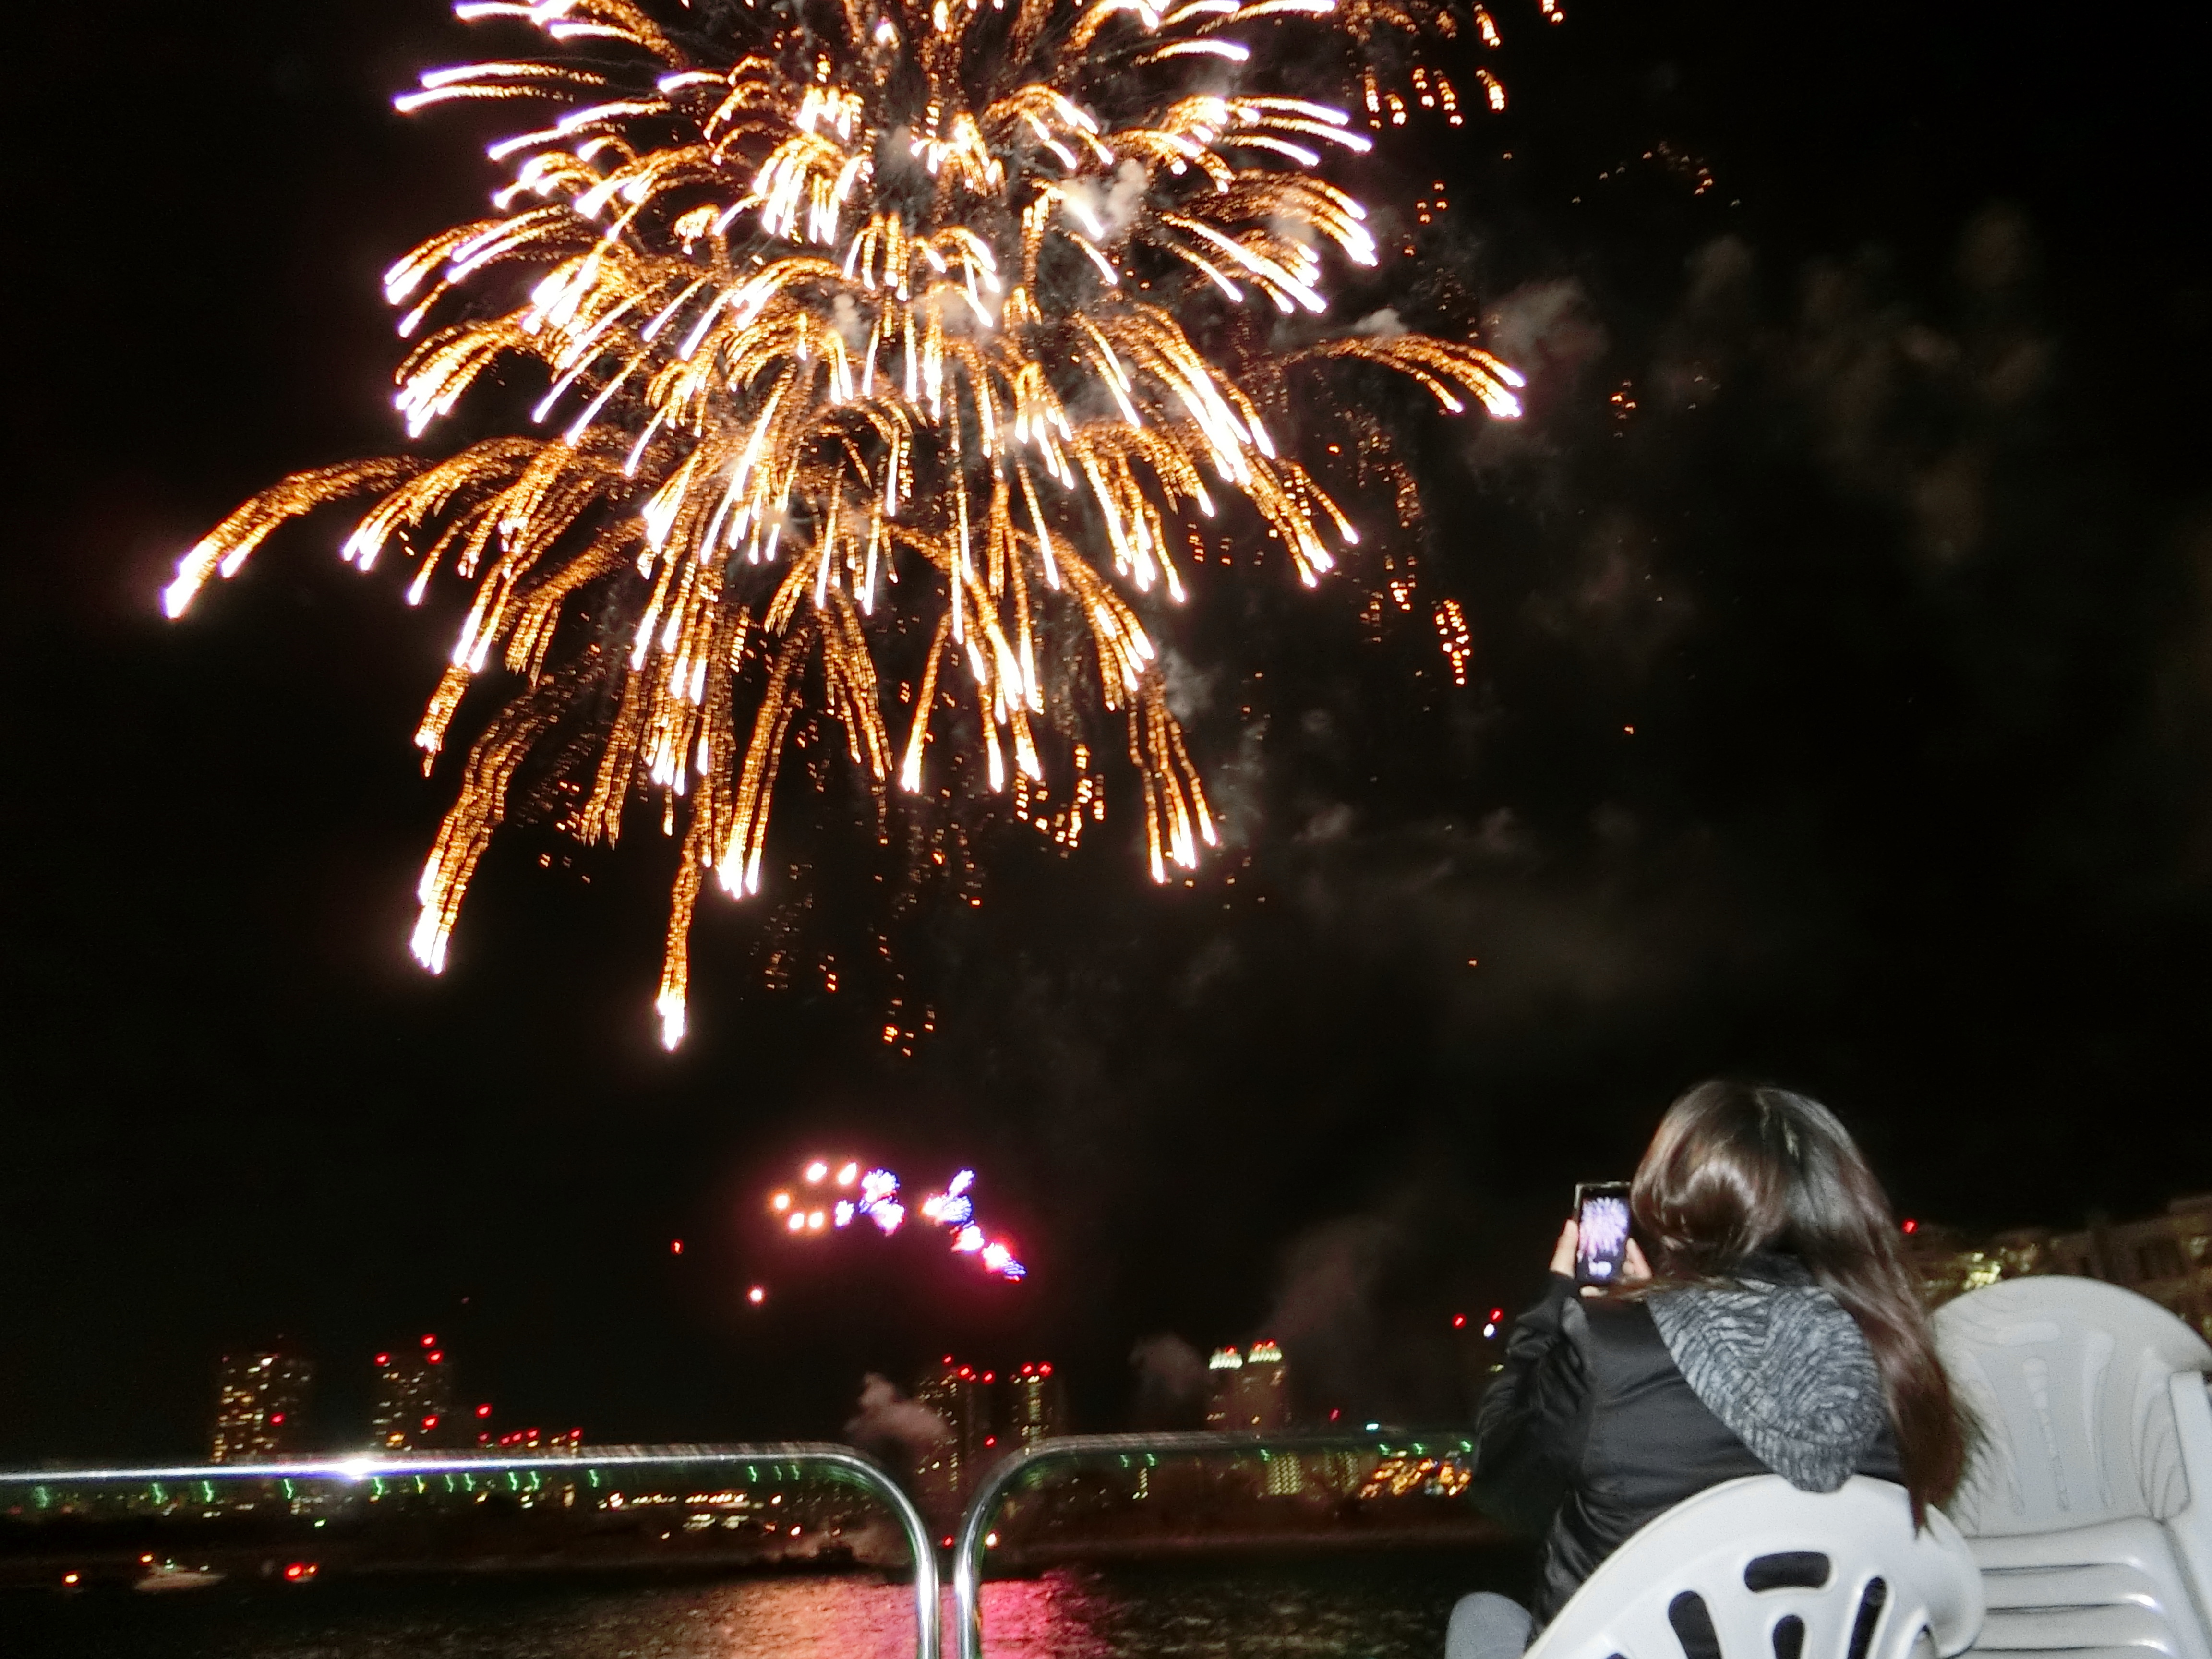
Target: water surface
point(1342, 1607)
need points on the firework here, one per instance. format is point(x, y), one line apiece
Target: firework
point(891, 351)
point(874, 1197)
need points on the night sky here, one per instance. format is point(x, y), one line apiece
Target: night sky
point(1900, 569)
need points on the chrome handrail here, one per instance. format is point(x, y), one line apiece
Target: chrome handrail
point(843, 1460)
point(976, 1519)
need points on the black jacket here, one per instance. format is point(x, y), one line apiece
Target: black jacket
point(1590, 1431)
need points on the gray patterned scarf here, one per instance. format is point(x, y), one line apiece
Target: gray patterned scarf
point(1782, 1365)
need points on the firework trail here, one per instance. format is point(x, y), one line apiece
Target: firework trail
point(874, 1197)
point(891, 350)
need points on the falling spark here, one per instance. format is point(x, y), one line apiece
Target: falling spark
point(871, 338)
point(1453, 634)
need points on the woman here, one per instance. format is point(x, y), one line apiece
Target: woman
point(1766, 1324)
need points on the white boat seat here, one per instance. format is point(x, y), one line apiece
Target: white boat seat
point(2127, 1594)
point(1760, 1570)
point(2088, 1499)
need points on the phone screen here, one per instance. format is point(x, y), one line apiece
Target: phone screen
point(1600, 1231)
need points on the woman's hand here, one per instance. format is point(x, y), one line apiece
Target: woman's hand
point(1563, 1253)
point(1633, 1267)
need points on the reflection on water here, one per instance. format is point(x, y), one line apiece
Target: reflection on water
point(1364, 1607)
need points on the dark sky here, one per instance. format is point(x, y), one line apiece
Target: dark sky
point(1901, 570)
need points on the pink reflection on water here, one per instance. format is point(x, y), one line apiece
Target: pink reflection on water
point(1055, 1616)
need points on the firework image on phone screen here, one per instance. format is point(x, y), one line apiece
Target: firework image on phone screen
point(1600, 1231)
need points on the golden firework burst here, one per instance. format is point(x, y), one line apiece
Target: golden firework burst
point(892, 351)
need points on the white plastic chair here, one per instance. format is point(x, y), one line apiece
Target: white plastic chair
point(2088, 1502)
point(1780, 1574)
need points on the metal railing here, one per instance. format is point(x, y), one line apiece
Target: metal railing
point(1076, 1448)
point(841, 1463)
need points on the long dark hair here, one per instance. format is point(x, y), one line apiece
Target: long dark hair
point(1739, 1167)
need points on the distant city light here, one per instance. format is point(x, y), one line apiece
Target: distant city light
point(848, 1174)
point(780, 1203)
point(676, 1246)
point(1459, 1321)
point(429, 1340)
point(484, 1410)
point(817, 1170)
point(757, 1295)
point(1489, 1329)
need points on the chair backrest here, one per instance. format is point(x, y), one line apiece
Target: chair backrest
point(2071, 1382)
point(1759, 1569)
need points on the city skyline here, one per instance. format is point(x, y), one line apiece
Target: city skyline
point(261, 1397)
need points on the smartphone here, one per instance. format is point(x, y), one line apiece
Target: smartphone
point(1600, 1231)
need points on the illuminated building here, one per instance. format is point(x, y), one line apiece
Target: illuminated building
point(1283, 1476)
point(2167, 1258)
point(1947, 1264)
point(949, 1469)
point(1248, 1392)
point(414, 1399)
point(259, 1399)
point(1037, 1407)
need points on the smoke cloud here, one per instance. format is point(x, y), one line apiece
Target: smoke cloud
point(1170, 1384)
point(1325, 1310)
point(890, 1426)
